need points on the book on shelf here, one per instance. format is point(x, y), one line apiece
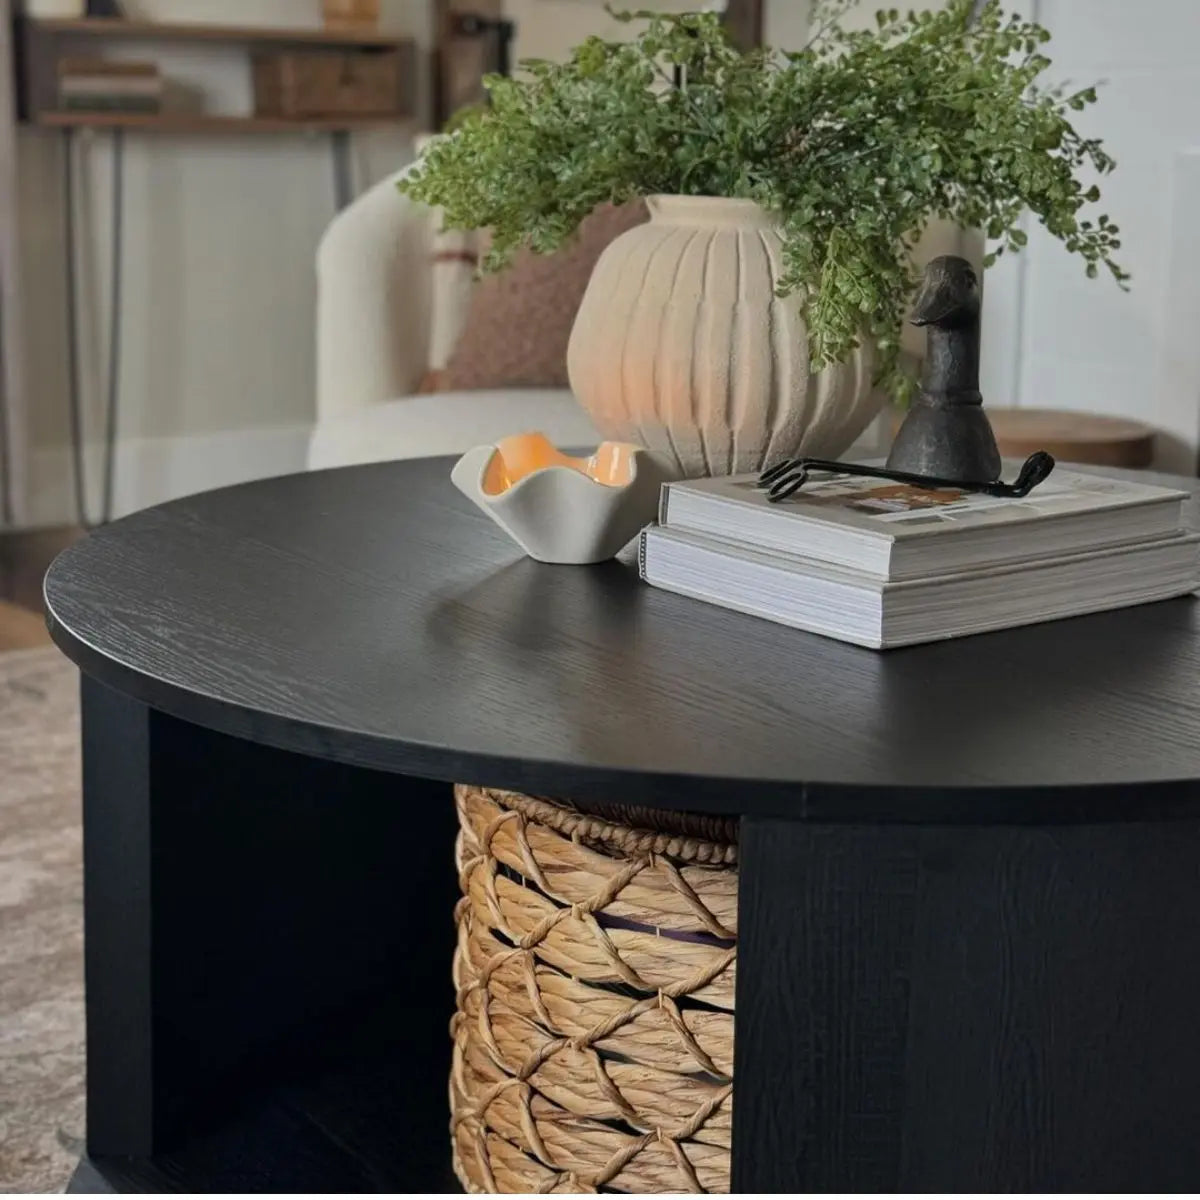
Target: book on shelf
point(105, 103)
point(870, 610)
point(107, 67)
point(95, 84)
point(897, 531)
point(136, 85)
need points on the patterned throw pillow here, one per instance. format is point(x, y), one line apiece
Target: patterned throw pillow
point(519, 321)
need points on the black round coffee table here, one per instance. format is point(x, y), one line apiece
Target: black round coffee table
point(969, 897)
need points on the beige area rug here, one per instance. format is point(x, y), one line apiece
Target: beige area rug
point(41, 922)
point(20, 629)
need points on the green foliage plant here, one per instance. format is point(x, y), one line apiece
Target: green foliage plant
point(852, 143)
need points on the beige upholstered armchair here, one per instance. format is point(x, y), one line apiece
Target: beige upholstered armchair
point(374, 305)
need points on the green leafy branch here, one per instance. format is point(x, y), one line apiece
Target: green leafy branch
point(853, 143)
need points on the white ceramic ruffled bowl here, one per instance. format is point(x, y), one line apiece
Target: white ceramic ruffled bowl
point(560, 509)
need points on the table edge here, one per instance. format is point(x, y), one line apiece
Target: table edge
point(816, 802)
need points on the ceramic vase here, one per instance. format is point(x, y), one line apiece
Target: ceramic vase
point(681, 345)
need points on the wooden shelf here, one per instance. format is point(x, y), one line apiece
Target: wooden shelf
point(40, 43)
point(108, 27)
point(206, 123)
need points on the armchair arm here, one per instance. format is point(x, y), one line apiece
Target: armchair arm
point(373, 300)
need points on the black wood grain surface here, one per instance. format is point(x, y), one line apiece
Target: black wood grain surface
point(371, 615)
point(117, 886)
point(967, 1009)
point(825, 919)
point(268, 951)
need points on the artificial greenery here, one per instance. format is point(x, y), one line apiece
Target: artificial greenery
point(854, 143)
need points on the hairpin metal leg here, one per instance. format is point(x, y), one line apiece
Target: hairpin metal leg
point(113, 379)
point(116, 275)
point(7, 457)
point(75, 397)
point(343, 175)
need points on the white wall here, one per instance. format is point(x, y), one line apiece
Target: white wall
point(1053, 338)
point(219, 294)
point(786, 23)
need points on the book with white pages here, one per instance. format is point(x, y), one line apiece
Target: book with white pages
point(863, 608)
point(898, 531)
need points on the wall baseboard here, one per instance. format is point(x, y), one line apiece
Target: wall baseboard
point(152, 470)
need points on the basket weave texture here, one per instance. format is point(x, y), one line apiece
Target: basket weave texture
point(593, 1037)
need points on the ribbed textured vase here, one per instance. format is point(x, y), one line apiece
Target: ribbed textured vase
point(682, 345)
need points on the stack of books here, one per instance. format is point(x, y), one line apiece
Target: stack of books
point(885, 564)
point(100, 85)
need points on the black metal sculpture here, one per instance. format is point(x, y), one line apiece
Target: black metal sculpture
point(947, 433)
point(946, 441)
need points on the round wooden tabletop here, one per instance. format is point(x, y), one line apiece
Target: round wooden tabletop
point(1072, 436)
point(372, 615)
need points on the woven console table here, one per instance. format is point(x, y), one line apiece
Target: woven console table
point(593, 1041)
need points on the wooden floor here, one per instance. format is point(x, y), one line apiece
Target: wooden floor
point(24, 558)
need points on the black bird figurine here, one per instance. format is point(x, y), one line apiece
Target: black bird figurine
point(946, 441)
point(946, 433)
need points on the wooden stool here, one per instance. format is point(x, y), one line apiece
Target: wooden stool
point(1072, 436)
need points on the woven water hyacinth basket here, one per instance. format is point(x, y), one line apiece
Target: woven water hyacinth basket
point(593, 1038)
